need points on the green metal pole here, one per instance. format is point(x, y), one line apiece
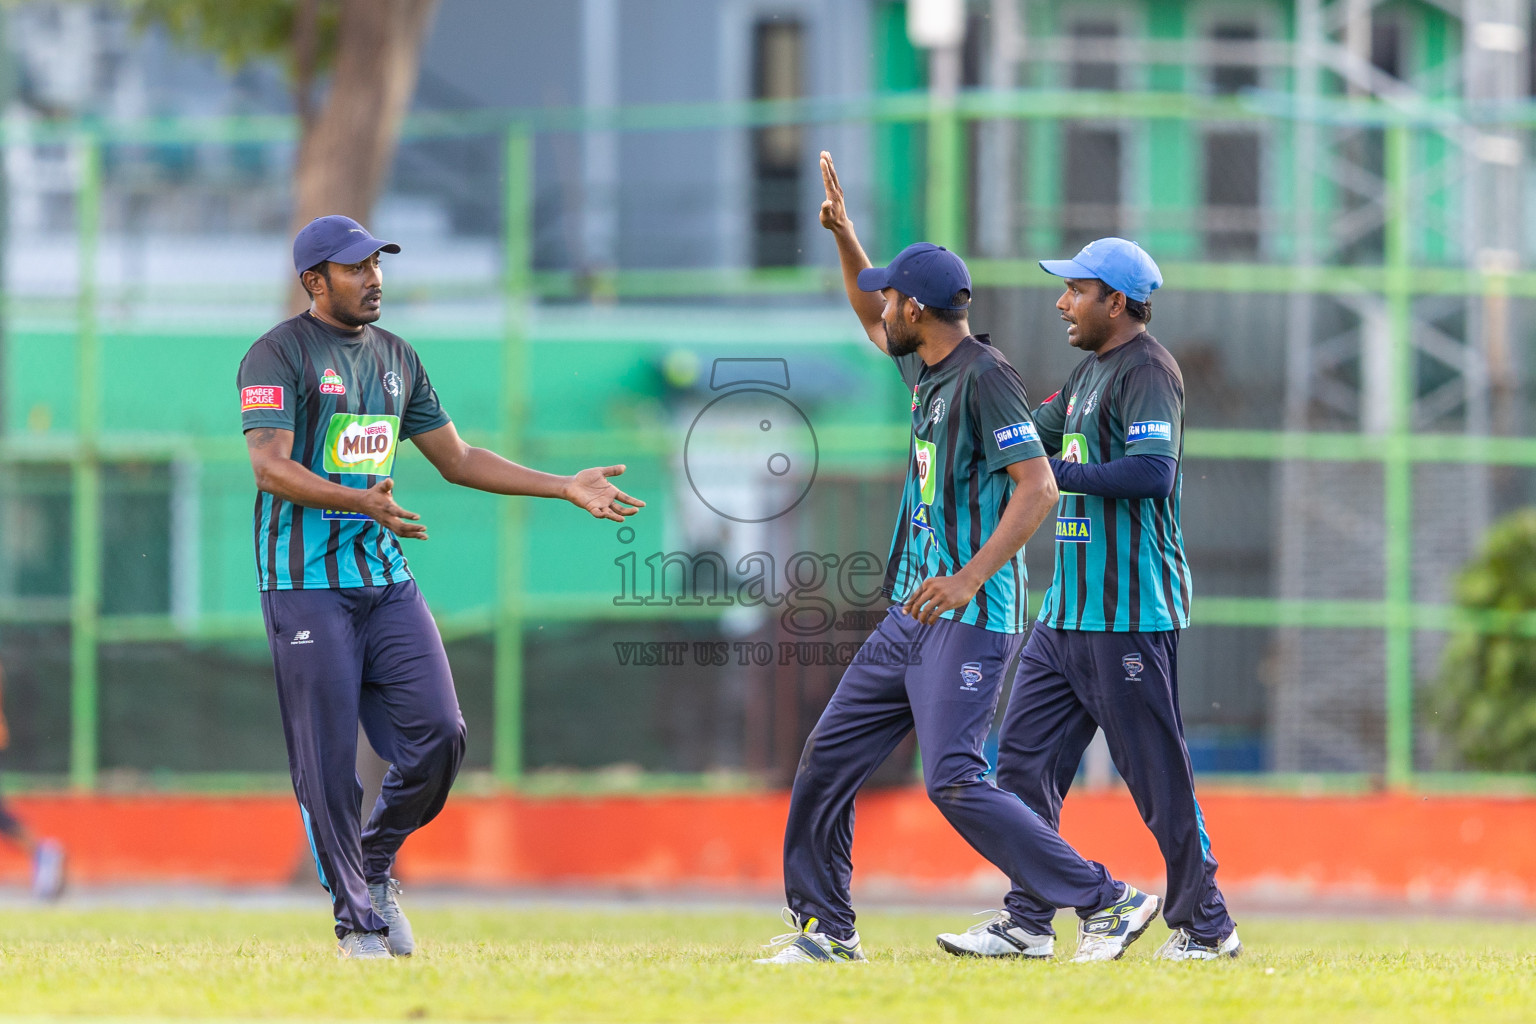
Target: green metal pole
point(85, 569)
point(946, 171)
point(507, 751)
point(1398, 465)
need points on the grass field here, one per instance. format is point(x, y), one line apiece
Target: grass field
point(597, 965)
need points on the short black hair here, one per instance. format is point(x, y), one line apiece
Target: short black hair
point(323, 268)
point(1140, 312)
point(961, 298)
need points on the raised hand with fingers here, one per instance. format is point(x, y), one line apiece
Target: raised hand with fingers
point(834, 211)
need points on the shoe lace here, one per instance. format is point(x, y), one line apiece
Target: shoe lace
point(993, 917)
point(788, 917)
point(1179, 941)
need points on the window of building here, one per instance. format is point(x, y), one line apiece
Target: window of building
point(1091, 187)
point(778, 63)
point(1387, 46)
point(1228, 75)
point(1232, 201)
point(1093, 65)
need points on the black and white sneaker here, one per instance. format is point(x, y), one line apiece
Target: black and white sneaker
point(998, 936)
point(1106, 934)
point(807, 945)
point(1182, 946)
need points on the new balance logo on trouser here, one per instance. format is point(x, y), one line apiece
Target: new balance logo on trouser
point(950, 697)
point(1071, 682)
point(372, 654)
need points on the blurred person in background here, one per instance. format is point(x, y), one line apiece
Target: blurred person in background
point(325, 400)
point(978, 485)
point(1104, 651)
point(47, 855)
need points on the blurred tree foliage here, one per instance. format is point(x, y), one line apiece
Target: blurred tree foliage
point(1487, 683)
point(366, 54)
point(246, 31)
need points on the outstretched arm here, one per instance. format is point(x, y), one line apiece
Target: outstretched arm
point(869, 306)
point(271, 450)
point(463, 464)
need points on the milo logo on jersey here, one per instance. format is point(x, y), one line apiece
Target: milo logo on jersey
point(360, 443)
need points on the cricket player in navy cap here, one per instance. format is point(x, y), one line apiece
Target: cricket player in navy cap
point(1104, 651)
point(326, 398)
point(978, 485)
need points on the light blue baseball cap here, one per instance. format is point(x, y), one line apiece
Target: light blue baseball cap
point(1118, 262)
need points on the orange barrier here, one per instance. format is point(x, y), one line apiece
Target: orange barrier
point(1428, 849)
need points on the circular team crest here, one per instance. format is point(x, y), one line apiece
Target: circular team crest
point(938, 410)
point(391, 382)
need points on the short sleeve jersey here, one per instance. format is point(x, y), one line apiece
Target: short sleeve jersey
point(1120, 563)
point(970, 421)
point(350, 399)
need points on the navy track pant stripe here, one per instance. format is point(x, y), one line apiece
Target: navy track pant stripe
point(369, 654)
point(1072, 682)
point(950, 696)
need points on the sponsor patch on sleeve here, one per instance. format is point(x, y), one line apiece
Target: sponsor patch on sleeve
point(261, 396)
point(1147, 430)
point(1016, 433)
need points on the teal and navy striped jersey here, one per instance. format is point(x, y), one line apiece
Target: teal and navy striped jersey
point(970, 421)
point(350, 399)
point(1119, 562)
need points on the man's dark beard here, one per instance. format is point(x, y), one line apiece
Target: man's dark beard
point(360, 319)
point(900, 344)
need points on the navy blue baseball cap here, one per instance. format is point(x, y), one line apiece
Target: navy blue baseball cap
point(931, 274)
point(337, 239)
point(1118, 262)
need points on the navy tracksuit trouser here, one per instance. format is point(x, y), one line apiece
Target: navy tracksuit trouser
point(1072, 682)
point(944, 680)
point(371, 655)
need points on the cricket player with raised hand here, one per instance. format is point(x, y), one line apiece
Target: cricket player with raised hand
point(326, 398)
point(1104, 651)
point(978, 485)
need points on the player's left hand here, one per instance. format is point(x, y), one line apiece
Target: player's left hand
point(939, 594)
point(591, 490)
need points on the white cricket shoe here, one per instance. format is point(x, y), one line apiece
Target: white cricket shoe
point(1181, 946)
point(998, 936)
point(806, 945)
point(1107, 933)
point(364, 946)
